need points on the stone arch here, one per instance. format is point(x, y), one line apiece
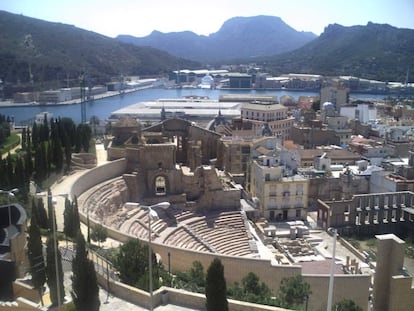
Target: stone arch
point(160, 185)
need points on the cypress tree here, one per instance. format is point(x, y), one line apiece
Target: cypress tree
point(68, 153)
point(45, 129)
point(85, 290)
point(51, 212)
point(49, 157)
point(35, 254)
point(51, 271)
point(68, 219)
point(4, 180)
point(89, 229)
point(41, 160)
point(76, 218)
point(28, 163)
point(10, 171)
point(86, 137)
point(216, 290)
point(57, 155)
point(20, 177)
point(28, 139)
point(35, 134)
point(43, 220)
point(78, 139)
point(24, 139)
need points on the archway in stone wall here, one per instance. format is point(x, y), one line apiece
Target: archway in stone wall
point(160, 185)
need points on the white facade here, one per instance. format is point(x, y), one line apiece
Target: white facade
point(280, 197)
point(362, 112)
point(207, 82)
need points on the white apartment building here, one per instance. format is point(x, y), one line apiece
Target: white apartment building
point(281, 197)
point(364, 112)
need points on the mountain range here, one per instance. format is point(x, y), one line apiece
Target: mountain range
point(238, 38)
point(56, 53)
point(375, 51)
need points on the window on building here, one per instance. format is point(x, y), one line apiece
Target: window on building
point(299, 189)
point(298, 213)
point(245, 150)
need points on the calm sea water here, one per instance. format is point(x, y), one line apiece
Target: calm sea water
point(102, 108)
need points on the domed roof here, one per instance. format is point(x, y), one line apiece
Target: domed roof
point(328, 105)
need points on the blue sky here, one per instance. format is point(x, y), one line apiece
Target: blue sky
point(140, 17)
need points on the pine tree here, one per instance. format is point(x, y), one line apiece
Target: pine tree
point(35, 254)
point(346, 305)
point(51, 244)
point(132, 262)
point(85, 291)
point(216, 290)
point(293, 291)
point(99, 234)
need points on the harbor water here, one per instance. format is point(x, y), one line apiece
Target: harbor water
point(102, 108)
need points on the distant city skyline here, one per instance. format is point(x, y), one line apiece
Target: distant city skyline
point(140, 17)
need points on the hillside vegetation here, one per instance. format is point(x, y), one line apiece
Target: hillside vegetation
point(374, 51)
point(55, 51)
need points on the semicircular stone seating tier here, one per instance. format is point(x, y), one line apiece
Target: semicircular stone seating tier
point(211, 233)
point(104, 201)
point(181, 228)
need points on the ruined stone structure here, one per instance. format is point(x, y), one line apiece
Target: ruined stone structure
point(369, 214)
point(168, 162)
point(392, 285)
point(182, 235)
point(171, 162)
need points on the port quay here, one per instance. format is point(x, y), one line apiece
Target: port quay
point(103, 105)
